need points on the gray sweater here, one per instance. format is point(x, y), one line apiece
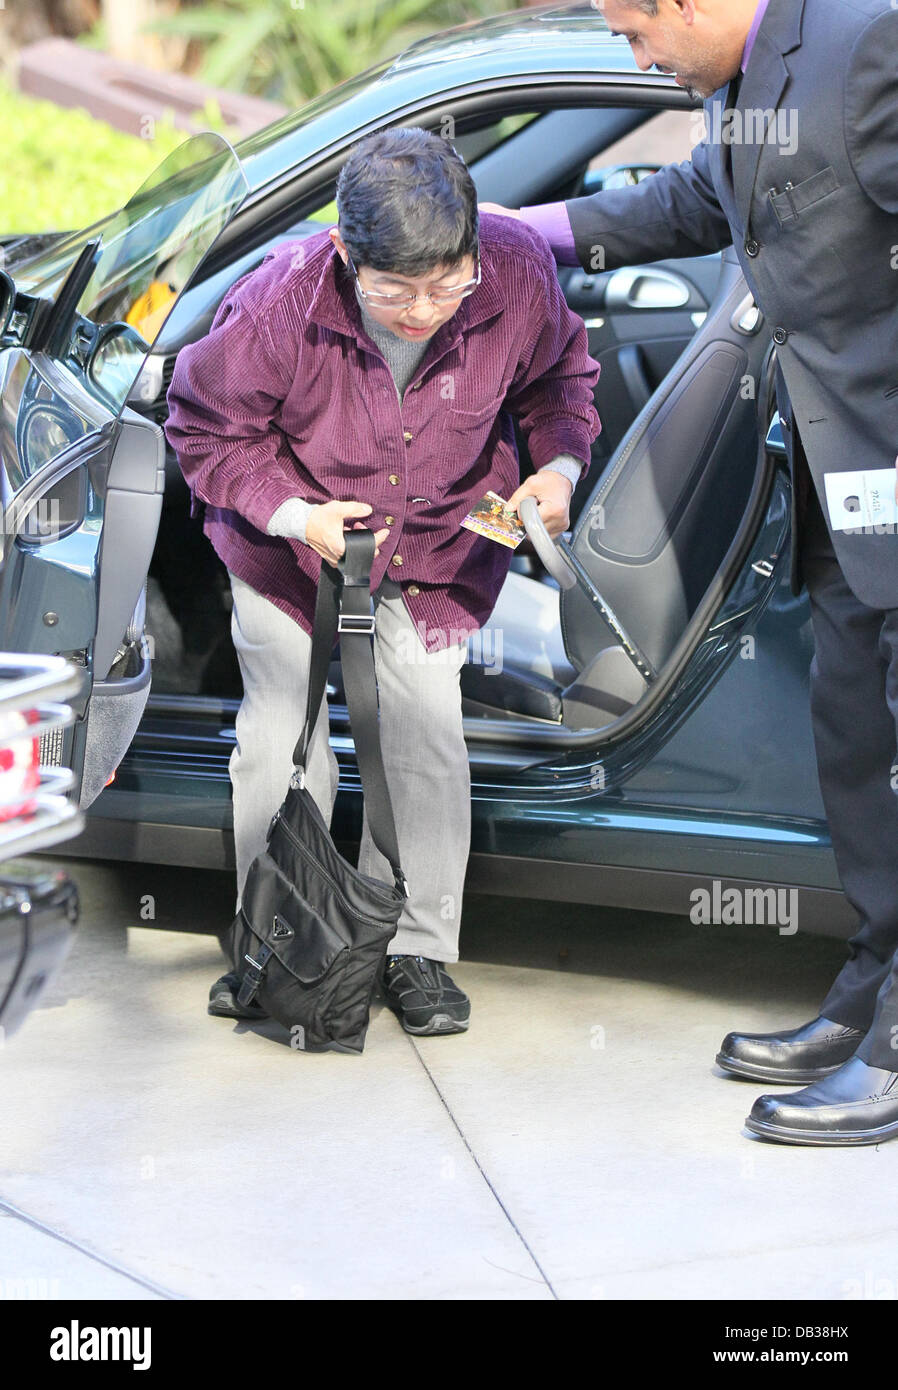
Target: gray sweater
point(403, 358)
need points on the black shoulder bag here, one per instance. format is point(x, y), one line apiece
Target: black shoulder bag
point(312, 932)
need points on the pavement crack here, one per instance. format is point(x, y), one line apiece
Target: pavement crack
point(483, 1173)
point(515, 1273)
point(10, 1210)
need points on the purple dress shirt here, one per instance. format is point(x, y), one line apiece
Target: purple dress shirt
point(551, 219)
point(288, 396)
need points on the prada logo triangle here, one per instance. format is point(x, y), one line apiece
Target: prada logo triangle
point(280, 928)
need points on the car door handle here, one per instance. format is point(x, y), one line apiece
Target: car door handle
point(747, 318)
point(637, 288)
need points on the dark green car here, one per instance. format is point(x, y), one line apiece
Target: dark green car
point(637, 708)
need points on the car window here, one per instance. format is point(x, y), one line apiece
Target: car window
point(474, 144)
point(141, 258)
point(667, 138)
point(471, 144)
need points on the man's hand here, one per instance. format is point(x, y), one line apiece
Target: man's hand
point(553, 494)
point(497, 207)
point(324, 528)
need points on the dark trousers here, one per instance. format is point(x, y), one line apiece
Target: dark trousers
point(854, 707)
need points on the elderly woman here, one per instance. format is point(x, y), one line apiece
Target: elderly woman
point(364, 377)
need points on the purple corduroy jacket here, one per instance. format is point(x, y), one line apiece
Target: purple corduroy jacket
point(288, 396)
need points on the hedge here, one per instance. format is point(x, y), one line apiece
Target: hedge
point(63, 169)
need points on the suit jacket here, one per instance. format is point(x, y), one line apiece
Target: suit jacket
point(802, 177)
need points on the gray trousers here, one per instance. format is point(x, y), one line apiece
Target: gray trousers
point(424, 753)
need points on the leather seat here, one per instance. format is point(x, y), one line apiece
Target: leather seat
point(517, 663)
point(652, 535)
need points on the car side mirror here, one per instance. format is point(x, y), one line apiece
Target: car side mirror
point(7, 301)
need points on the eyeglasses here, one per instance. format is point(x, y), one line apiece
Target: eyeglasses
point(399, 301)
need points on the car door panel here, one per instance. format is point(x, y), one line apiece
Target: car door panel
point(134, 487)
point(51, 527)
point(639, 320)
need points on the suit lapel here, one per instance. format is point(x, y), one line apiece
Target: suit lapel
point(756, 116)
point(762, 87)
point(719, 166)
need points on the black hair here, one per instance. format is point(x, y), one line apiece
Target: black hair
point(406, 203)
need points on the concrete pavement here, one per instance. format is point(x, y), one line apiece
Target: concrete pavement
point(575, 1143)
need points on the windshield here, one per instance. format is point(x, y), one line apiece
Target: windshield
point(145, 254)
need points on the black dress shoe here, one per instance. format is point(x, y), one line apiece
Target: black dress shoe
point(858, 1104)
point(815, 1050)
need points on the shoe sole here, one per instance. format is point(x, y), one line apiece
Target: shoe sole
point(232, 1012)
point(822, 1138)
point(751, 1071)
point(440, 1023)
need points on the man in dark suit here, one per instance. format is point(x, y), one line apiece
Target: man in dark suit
point(799, 170)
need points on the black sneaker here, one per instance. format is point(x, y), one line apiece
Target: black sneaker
point(424, 996)
point(223, 1000)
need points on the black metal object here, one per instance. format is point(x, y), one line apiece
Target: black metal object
point(38, 918)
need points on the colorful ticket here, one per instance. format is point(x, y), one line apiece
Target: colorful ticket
point(492, 517)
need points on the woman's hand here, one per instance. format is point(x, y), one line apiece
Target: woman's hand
point(553, 493)
point(324, 528)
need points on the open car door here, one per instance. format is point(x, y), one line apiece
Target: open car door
point(83, 475)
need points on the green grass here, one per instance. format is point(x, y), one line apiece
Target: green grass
point(62, 169)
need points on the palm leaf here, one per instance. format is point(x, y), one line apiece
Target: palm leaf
point(204, 22)
point(236, 53)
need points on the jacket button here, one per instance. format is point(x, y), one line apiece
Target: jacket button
point(396, 560)
point(779, 336)
point(394, 478)
point(752, 247)
point(413, 590)
point(407, 436)
point(388, 520)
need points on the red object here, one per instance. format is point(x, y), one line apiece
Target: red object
point(19, 763)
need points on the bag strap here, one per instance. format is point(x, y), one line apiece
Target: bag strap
point(343, 605)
